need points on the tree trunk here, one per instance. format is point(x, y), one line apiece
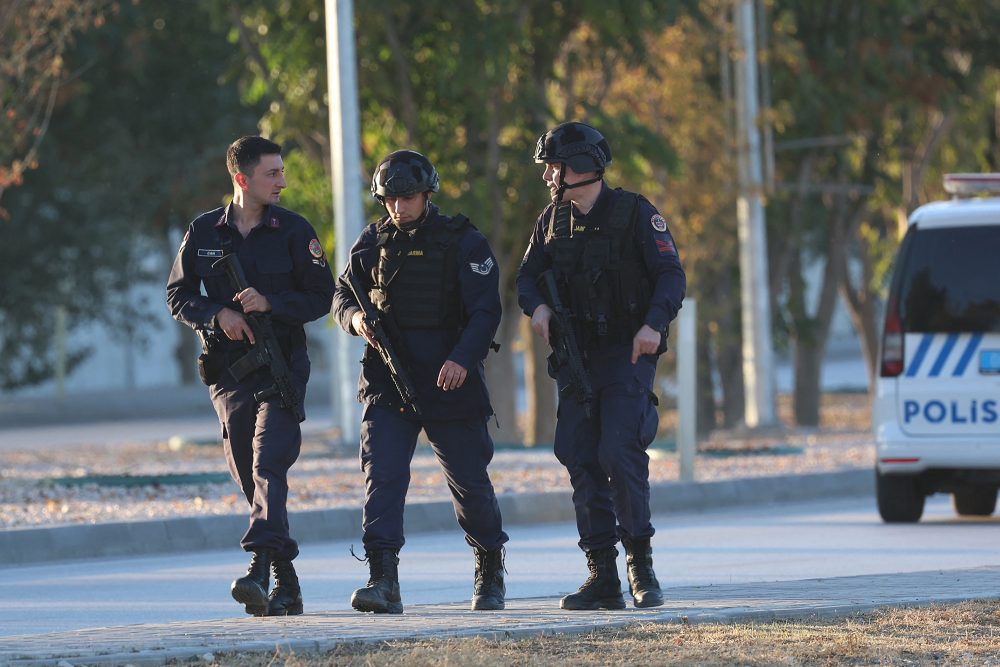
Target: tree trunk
point(810, 348)
point(861, 306)
point(540, 420)
point(729, 354)
point(186, 350)
point(502, 380)
point(705, 399)
point(806, 393)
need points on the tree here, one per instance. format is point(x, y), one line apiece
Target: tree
point(135, 147)
point(35, 35)
point(471, 87)
point(870, 91)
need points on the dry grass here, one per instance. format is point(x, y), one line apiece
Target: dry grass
point(839, 411)
point(961, 634)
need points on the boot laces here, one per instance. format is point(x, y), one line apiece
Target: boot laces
point(284, 573)
point(489, 566)
point(592, 565)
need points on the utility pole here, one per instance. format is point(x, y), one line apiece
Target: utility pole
point(758, 351)
point(348, 213)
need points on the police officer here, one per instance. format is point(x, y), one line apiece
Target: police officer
point(435, 284)
point(617, 271)
point(291, 282)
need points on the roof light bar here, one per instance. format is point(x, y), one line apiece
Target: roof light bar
point(971, 184)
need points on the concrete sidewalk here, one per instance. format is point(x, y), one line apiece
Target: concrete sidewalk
point(156, 644)
point(37, 545)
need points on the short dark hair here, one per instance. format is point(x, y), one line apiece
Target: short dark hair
point(244, 154)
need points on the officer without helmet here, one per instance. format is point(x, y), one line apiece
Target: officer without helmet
point(617, 271)
point(290, 283)
point(435, 284)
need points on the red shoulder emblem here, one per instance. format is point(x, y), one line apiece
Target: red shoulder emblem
point(316, 249)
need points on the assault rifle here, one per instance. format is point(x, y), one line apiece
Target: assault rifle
point(565, 349)
point(400, 377)
point(265, 351)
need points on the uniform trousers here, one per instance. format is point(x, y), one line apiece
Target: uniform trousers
point(464, 449)
point(261, 442)
point(605, 454)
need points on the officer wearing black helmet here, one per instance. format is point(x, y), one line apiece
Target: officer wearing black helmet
point(618, 272)
point(435, 283)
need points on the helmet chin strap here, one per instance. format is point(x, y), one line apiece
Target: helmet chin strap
point(563, 187)
point(413, 224)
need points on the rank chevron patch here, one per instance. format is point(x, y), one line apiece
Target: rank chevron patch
point(482, 269)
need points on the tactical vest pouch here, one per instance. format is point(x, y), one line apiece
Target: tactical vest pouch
point(212, 360)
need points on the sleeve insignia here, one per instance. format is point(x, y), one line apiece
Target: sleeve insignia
point(666, 247)
point(484, 268)
point(658, 223)
point(316, 249)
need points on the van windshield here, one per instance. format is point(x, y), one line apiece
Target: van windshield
point(951, 280)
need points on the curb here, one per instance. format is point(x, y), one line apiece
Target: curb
point(319, 632)
point(21, 546)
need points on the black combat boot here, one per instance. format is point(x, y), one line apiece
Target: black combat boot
point(381, 595)
point(490, 589)
point(251, 590)
point(642, 583)
point(603, 588)
point(286, 598)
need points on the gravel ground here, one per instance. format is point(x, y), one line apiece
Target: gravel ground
point(327, 475)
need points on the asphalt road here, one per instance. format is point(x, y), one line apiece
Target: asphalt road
point(763, 544)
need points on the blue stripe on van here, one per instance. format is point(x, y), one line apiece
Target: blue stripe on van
point(918, 356)
point(970, 352)
point(949, 344)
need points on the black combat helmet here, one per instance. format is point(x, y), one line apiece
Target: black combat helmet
point(404, 173)
point(577, 144)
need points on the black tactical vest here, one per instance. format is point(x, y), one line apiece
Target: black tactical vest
point(601, 275)
point(416, 281)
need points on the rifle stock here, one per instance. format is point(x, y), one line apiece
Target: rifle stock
point(397, 371)
point(565, 348)
point(266, 351)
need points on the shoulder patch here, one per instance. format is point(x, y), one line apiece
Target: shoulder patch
point(665, 247)
point(482, 268)
point(316, 249)
point(658, 223)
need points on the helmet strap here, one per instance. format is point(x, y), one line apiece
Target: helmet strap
point(563, 186)
point(413, 224)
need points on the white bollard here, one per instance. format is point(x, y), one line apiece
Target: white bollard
point(687, 388)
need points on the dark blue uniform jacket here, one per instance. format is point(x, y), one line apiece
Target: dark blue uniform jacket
point(425, 350)
point(656, 248)
point(281, 258)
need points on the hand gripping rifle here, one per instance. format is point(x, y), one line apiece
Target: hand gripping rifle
point(565, 349)
point(265, 351)
point(400, 377)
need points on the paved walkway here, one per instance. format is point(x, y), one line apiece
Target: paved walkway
point(154, 644)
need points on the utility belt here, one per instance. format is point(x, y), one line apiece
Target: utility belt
point(219, 354)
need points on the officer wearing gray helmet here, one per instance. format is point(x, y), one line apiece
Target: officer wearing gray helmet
point(618, 272)
point(435, 283)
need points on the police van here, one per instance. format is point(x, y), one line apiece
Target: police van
point(936, 414)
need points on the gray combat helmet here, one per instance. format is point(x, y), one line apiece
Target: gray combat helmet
point(579, 145)
point(404, 173)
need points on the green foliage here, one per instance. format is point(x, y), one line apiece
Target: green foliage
point(309, 194)
point(136, 146)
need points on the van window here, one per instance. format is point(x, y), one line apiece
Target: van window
point(951, 280)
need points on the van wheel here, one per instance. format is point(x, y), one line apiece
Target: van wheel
point(975, 501)
point(900, 498)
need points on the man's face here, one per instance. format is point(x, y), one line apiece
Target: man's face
point(406, 209)
point(267, 181)
point(551, 176)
